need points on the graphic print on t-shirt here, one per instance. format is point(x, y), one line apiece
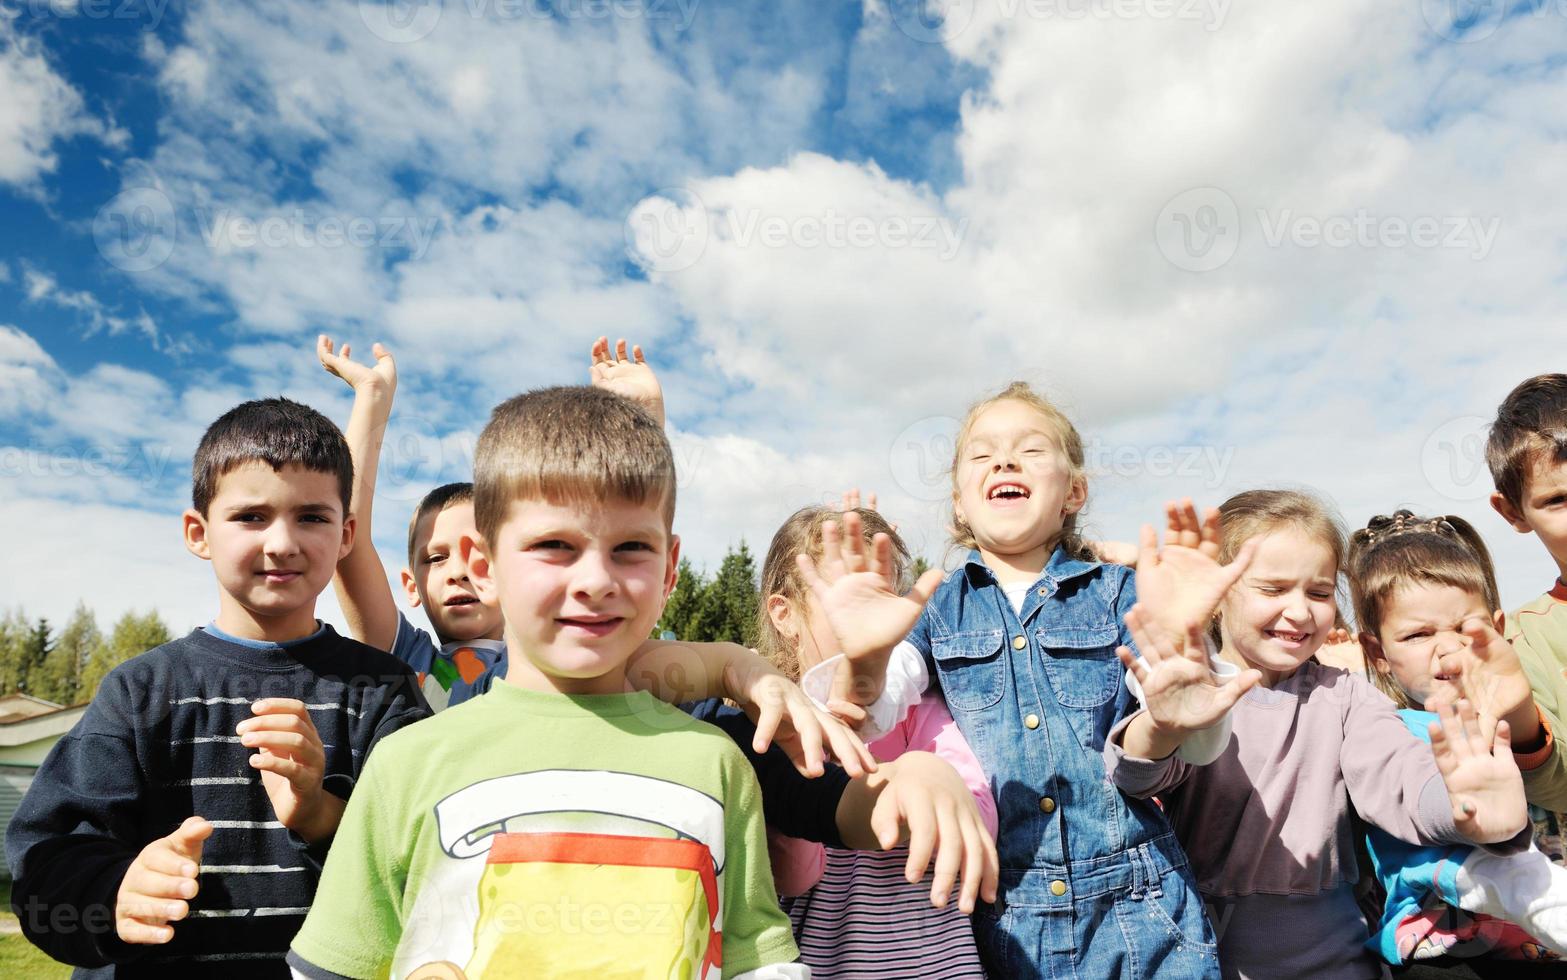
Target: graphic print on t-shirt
point(570, 873)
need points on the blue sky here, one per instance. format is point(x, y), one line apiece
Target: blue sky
point(1277, 244)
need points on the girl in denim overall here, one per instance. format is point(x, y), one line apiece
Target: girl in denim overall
point(1021, 639)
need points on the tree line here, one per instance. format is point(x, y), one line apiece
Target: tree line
point(66, 667)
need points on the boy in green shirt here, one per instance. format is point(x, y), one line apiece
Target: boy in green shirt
point(1527, 455)
point(558, 826)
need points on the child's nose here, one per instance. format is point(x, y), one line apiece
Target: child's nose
point(280, 538)
point(593, 576)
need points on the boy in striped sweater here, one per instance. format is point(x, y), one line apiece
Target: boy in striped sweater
point(180, 828)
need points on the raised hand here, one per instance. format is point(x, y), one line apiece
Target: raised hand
point(159, 884)
point(857, 590)
point(1474, 755)
point(1180, 584)
point(1181, 693)
point(1488, 670)
point(292, 761)
point(381, 377)
point(629, 377)
point(1341, 649)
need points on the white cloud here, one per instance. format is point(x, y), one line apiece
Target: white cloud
point(41, 287)
point(39, 110)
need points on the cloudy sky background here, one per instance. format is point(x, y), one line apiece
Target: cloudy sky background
point(1243, 245)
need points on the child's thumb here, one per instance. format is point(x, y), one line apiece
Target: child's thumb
point(188, 838)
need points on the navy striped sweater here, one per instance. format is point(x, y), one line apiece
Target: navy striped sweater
point(157, 745)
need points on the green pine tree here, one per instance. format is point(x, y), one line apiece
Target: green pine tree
point(728, 609)
point(60, 678)
point(682, 605)
point(134, 634)
point(35, 650)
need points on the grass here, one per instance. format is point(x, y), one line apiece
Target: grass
point(20, 958)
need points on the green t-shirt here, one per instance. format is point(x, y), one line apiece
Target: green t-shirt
point(1538, 632)
point(524, 834)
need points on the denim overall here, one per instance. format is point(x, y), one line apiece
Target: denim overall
point(1093, 884)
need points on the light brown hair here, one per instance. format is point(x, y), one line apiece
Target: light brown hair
point(1531, 424)
point(1392, 552)
point(801, 534)
point(570, 446)
point(1253, 513)
point(1067, 438)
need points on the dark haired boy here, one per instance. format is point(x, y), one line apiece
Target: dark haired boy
point(1527, 455)
point(179, 828)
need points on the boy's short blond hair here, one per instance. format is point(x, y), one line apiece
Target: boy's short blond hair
point(570, 446)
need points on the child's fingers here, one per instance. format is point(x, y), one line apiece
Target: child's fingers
point(853, 542)
point(880, 556)
point(926, 585)
point(1208, 537)
point(291, 744)
point(620, 350)
point(636, 354)
point(832, 549)
point(139, 933)
point(1502, 741)
point(186, 840)
point(810, 576)
point(886, 821)
point(973, 861)
point(1190, 534)
point(767, 721)
point(870, 500)
point(949, 855)
point(290, 770)
point(810, 731)
point(157, 887)
point(850, 499)
point(1138, 669)
point(848, 749)
point(921, 822)
point(1147, 547)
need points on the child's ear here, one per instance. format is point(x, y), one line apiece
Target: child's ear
point(196, 534)
point(347, 545)
point(1076, 496)
point(1499, 621)
point(411, 589)
point(472, 549)
point(1509, 513)
point(1373, 650)
point(779, 612)
point(672, 570)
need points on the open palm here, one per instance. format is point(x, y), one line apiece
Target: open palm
point(1180, 690)
point(1180, 584)
point(381, 375)
point(630, 377)
point(1474, 755)
point(856, 589)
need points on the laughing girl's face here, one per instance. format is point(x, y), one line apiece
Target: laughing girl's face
point(1281, 610)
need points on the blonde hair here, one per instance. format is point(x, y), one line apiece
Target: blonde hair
point(571, 446)
point(1391, 552)
point(801, 534)
point(1067, 438)
point(1253, 513)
